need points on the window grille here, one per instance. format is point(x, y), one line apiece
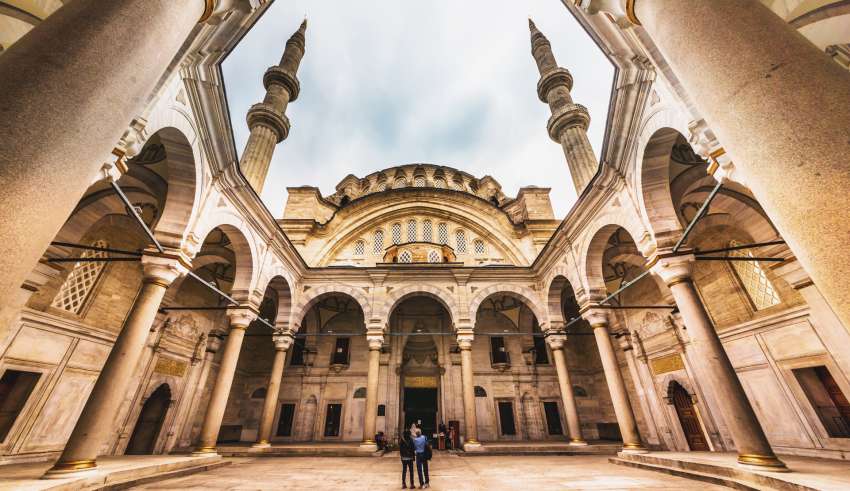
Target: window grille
point(434, 257)
point(427, 231)
point(411, 230)
point(443, 233)
point(359, 248)
point(440, 183)
point(460, 241)
point(399, 183)
point(75, 291)
point(378, 245)
point(382, 186)
point(458, 185)
point(396, 233)
point(419, 181)
point(405, 257)
point(754, 279)
point(479, 247)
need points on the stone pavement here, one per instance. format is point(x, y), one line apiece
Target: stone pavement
point(452, 472)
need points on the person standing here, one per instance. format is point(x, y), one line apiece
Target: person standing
point(420, 445)
point(407, 453)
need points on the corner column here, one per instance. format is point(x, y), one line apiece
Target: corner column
point(213, 344)
point(375, 338)
point(753, 448)
point(464, 342)
point(556, 342)
point(598, 320)
point(239, 322)
point(97, 418)
point(282, 342)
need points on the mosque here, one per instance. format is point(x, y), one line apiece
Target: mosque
point(692, 300)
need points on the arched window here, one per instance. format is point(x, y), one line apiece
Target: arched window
point(359, 248)
point(360, 393)
point(479, 246)
point(405, 257)
point(439, 183)
point(73, 295)
point(443, 233)
point(460, 241)
point(457, 184)
point(400, 182)
point(479, 391)
point(259, 393)
point(382, 186)
point(411, 230)
point(434, 256)
point(396, 233)
point(754, 279)
point(419, 182)
point(427, 231)
point(378, 245)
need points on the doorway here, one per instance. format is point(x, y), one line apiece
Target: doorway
point(149, 424)
point(421, 404)
point(687, 417)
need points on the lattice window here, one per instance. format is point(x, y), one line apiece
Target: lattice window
point(460, 241)
point(434, 257)
point(440, 183)
point(411, 230)
point(427, 231)
point(382, 186)
point(458, 185)
point(396, 233)
point(443, 233)
point(77, 288)
point(754, 279)
point(399, 183)
point(419, 182)
point(405, 257)
point(479, 246)
point(359, 248)
point(378, 244)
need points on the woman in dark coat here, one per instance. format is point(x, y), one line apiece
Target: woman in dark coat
point(407, 453)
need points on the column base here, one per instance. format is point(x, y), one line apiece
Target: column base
point(577, 442)
point(472, 446)
point(368, 446)
point(762, 463)
point(634, 448)
point(204, 451)
point(73, 468)
point(262, 444)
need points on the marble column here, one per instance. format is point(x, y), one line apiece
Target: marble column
point(239, 322)
point(753, 448)
point(464, 342)
point(213, 344)
point(557, 343)
point(55, 132)
point(282, 342)
point(598, 320)
point(770, 95)
point(96, 421)
point(370, 415)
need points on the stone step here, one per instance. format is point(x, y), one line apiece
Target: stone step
point(161, 477)
point(689, 474)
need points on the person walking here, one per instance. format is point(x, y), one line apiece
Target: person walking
point(407, 453)
point(422, 448)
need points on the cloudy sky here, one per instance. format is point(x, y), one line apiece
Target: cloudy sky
point(390, 82)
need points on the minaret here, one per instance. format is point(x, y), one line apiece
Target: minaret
point(569, 121)
point(267, 120)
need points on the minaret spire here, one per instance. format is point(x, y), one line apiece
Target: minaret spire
point(569, 121)
point(267, 120)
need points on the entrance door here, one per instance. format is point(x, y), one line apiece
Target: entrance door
point(506, 418)
point(553, 418)
point(688, 418)
point(150, 421)
point(421, 404)
point(332, 419)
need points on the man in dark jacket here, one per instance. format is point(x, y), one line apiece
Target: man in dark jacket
point(405, 450)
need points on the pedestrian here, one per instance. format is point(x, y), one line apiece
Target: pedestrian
point(407, 452)
point(413, 429)
point(423, 451)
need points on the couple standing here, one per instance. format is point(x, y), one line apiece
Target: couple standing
point(414, 446)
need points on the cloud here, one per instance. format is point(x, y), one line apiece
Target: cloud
point(387, 82)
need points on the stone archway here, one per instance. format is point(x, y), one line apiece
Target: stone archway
point(148, 426)
point(688, 418)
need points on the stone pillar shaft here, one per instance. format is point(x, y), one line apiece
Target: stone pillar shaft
point(769, 94)
point(567, 396)
point(97, 419)
point(55, 133)
point(221, 390)
point(371, 411)
point(468, 384)
point(270, 404)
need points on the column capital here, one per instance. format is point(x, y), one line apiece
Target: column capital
point(556, 341)
point(464, 338)
point(162, 268)
point(282, 340)
point(623, 11)
point(375, 341)
point(596, 317)
point(672, 269)
point(241, 318)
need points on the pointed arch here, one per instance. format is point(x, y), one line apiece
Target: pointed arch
point(396, 296)
point(309, 298)
point(522, 293)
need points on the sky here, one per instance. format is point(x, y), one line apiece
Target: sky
point(390, 82)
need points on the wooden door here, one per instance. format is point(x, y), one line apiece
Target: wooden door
point(688, 418)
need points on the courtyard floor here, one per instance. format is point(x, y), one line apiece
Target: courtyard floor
point(448, 472)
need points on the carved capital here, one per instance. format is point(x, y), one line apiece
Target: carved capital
point(265, 115)
point(556, 341)
point(241, 318)
point(598, 318)
point(282, 340)
point(464, 339)
point(163, 268)
point(673, 269)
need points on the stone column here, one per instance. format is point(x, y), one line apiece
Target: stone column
point(769, 94)
point(619, 397)
point(375, 339)
point(652, 428)
point(753, 448)
point(55, 133)
point(239, 322)
point(556, 342)
point(97, 418)
point(464, 342)
point(213, 344)
point(282, 342)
